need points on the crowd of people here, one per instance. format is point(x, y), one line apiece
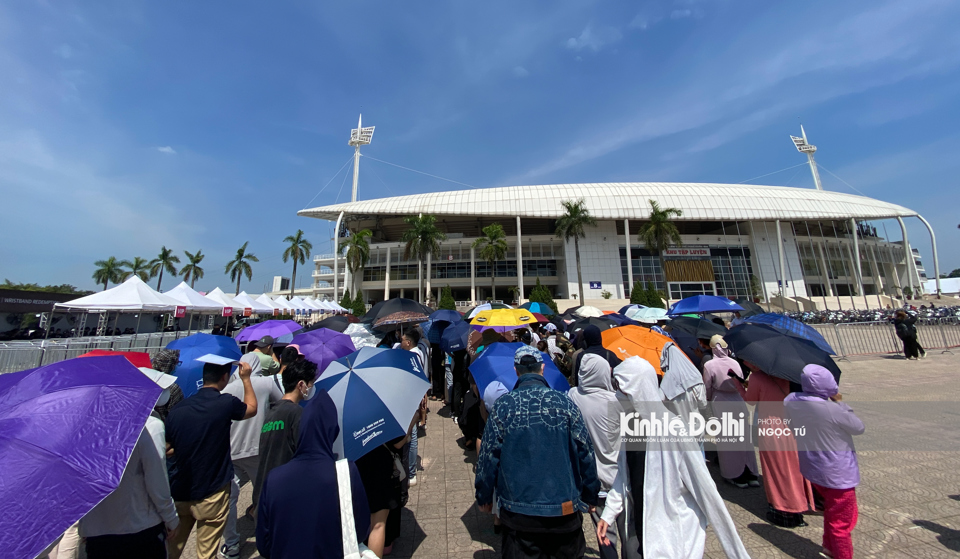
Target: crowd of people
point(545, 457)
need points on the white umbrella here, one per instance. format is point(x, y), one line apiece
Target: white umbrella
point(587, 311)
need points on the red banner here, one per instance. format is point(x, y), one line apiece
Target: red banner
point(276, 312)
point(247, 311)
point(180, 312)
point(227, 311)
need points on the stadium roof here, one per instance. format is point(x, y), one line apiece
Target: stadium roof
point(699, 202)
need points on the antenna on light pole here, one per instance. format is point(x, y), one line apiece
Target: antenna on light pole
point(360, 136)
point(805, 147)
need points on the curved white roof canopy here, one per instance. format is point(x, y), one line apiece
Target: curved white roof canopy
point(699, 202)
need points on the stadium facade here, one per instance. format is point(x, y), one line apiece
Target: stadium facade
point(825, 249)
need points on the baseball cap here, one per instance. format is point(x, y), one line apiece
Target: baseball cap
point(265, 341)
point(296, 347)
point(527, 356)
point(718, 339)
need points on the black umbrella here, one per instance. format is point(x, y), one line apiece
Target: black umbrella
point(749, 308)
point(776, 353)
point(391, 306)
point(570, 313)
point(702, 329)
point(335, 323)
point(601, 322)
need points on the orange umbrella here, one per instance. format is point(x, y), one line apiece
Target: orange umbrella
point(609, 312)
point(629, 341)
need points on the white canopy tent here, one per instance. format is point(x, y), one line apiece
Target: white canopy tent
point(301, 305)
point(195, 302)
point(267, 302)
point(256, 306)
point(282, 302)
point(310, 302)
point(227, 301)
point(132, 295)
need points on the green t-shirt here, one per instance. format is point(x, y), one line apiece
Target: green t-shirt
point(267, 363)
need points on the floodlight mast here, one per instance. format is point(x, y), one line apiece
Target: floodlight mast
point(359, 137)
point(804, 147)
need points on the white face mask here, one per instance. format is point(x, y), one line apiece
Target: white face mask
point(310, 392)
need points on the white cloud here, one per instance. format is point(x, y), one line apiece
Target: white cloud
point(167, 149)
point(520, 72)
point(594, 39)
point(680, 14)
point(64, 51)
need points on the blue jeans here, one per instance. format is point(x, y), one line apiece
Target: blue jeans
point(412, 453)
point(449, 373)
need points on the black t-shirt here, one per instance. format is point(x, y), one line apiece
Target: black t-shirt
point(278, 439)
point(198, 429)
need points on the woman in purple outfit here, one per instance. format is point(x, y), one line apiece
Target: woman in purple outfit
point(825, 427)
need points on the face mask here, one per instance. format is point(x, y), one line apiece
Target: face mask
point(310, 392)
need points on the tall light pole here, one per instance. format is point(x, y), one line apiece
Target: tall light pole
point(804, 147)
point(359, 137)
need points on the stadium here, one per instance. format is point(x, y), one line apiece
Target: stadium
point(803, 239)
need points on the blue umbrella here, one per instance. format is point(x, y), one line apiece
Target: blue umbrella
point(377, 391)
point(66, 433)
point(189, 372)
point(793, 328)
point(621, 320)
point(496, 363)
point(446, 315)
point(699, 304)
point(455, 337)
point(536, 307)
point(627, 308)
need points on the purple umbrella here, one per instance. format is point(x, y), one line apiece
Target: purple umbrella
point(323, 346)
point(66, 433)
point(282, 330)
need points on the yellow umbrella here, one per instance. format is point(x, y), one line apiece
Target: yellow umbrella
point(503, 320)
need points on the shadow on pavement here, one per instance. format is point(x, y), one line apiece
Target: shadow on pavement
point(786, 541)
point(948, 537)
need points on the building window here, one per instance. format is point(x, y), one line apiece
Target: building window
point(731, 271)
point(646, 268)
point(682, 290)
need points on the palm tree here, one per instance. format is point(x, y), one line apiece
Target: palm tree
point(423, 238)
point(192, 271)
point(109, 270)
point(493, 247)
point(571, 224)
point(357, 249)
point(240, 265)
point(299, 249)
point(659, 233)
point(138, 267)
point(164, 261)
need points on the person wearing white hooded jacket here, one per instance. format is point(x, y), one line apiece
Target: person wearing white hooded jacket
point(679, 496)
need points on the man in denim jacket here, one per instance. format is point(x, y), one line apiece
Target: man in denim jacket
point(538, 455)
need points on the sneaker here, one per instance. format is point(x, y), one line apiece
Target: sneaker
point(231, 552)
point(911, 358)
point(824, 552)
point(413, 480)
point(736, 483)
point(753, 483)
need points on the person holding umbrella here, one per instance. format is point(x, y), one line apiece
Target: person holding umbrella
point(788, 494)
point(540, 517)
point(198, 438)
point(137, 517)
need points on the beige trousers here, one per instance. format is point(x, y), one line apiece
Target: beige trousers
point(210, 517)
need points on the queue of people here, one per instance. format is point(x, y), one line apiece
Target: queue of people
point(545, 458)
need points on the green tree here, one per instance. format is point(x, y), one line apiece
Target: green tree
point(493, 247)
point(422, 238)
point(298, 248)
point(638, 294)
point(139, 267)
point(357, 250)
point(347, 301)
point(64, 288)
point(654, 297)
point(571, 224)
point(541, 294)
point(192, 271)
point(164, 261)
point(240, 265)
point(954, 274)
point(756, 290)
point(359, 305)
point(659, 232)
point(109, 270)
point(446, 300)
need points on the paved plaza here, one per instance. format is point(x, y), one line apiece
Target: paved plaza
point(909, 502)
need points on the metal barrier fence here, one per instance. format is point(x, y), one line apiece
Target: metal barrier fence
point(850, 339)
point(19, 355)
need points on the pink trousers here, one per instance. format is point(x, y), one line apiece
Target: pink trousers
point(839, 518)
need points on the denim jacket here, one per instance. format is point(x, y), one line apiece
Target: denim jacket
point(537, 453)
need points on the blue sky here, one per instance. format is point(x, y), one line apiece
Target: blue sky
point(129, 125)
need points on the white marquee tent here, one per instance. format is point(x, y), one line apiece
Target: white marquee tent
point(195, 302)
point(132, 295)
